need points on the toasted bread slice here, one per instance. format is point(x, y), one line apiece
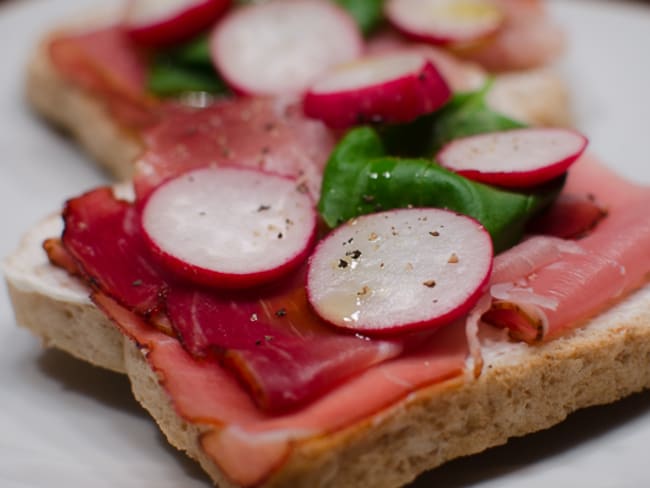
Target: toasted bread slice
point(522, 388)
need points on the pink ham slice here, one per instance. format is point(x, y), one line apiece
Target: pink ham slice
point(271, 341)
point(545, 286)
point(269, 134)
point(249, 444)
point(105, 63)
point(102, 56)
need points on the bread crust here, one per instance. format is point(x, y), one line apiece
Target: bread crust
point(522, 389)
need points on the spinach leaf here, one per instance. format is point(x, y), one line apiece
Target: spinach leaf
point(369, 14)
point(168, 78)
point(360, 179)
point(185, 68)
point(466, 114)
point(195, 52)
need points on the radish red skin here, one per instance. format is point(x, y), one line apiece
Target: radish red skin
point(402, 327)
point(399, 100)
point(179, 27)
point(521, 180)
point(438, 38)
point(515, 178)
point(231, 281)
point(226, 280)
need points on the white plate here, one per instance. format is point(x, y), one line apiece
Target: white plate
point(64, 424)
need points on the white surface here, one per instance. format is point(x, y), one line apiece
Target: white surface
point(63, 424)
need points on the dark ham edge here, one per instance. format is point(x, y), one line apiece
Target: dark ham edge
point(102, 235)
point(570, 217)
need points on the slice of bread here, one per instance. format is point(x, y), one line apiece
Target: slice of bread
point(522, 388)
point(538, 97)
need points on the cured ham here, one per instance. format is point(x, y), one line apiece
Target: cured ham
point(101, 59)
point(285, 360)
point(570, 217)
point(269, 338)
point(102, 235)
point(546, 285)
point(269, 134)
point(248, 443)
point(104, 62)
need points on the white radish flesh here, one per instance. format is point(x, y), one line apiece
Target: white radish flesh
point(165, 22)
point(282, 47)
point(230, 227)
point(396, 87)
point(400, 270)
point(514, 158)
point(445, 21)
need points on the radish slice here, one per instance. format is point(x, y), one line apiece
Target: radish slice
point(396, 87)
point(230, 227)
point(515, 158)
point(282, 47)
point(165, 22)
point(400, 270)
point(445, 21)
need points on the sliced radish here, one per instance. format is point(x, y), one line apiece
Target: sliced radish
point(515, 158)
point(396, 87)
point(282, 47)
point(445, 21)
point(165, 22)
point(230, 227)
point(400, 270)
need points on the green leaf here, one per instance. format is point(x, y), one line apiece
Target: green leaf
point(360, 179)
point(369, 14)
point(168, 78)
point(185, 68)
point(466, 114)
point(195, 52)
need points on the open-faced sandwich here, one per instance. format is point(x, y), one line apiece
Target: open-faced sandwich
point(349, 269)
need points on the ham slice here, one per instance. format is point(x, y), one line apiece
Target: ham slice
point(570, 217)
point(547, 285)
point(248, 443)
point(105, 63)
point(286, 359)
point(102, 234)
point(270, 339)
point(269, 134)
